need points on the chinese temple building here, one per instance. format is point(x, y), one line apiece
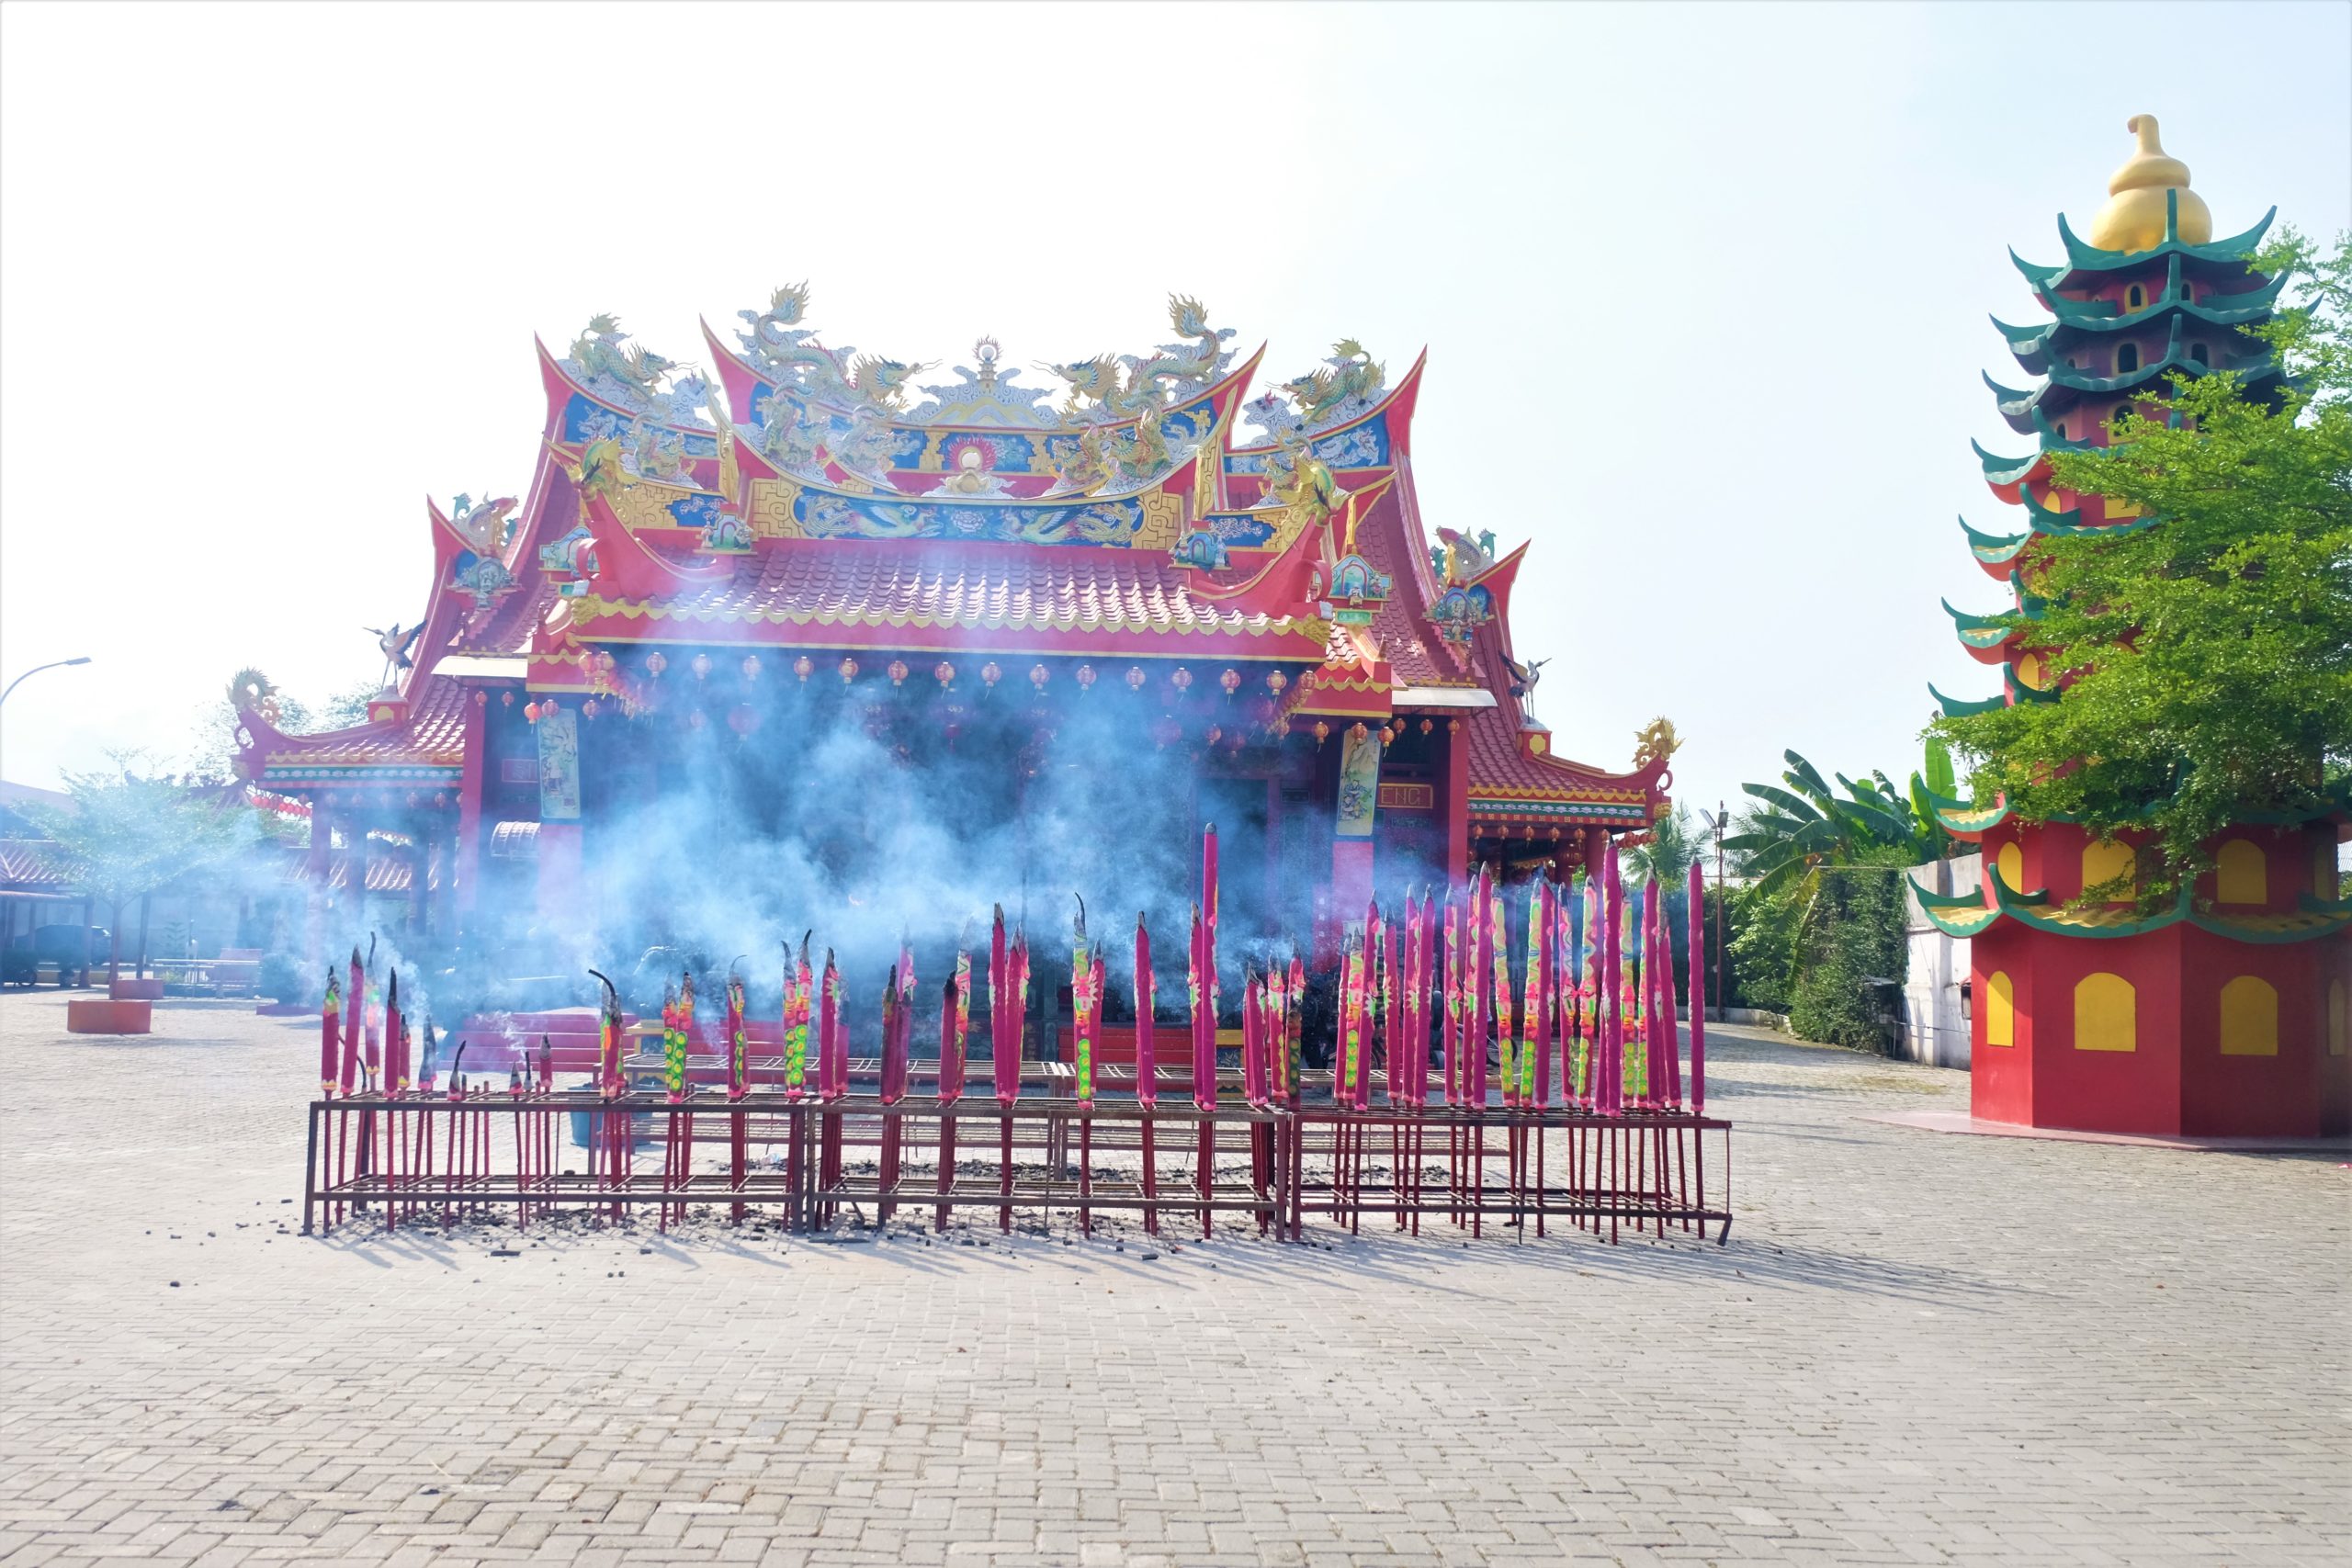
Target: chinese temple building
point(2224, 1015)
point(1079, 618)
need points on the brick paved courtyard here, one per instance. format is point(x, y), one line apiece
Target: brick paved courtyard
point(1917, 1348)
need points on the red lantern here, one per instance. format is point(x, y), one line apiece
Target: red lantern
point(506, 699)
point(1276, 680)
point(1427, 726)
point(1085, 677)
point(990, 673)
point(655, 663)
point(1215, 735)
point(701, 666)
point(944, 673)
point(482, 699)
point(801, 667)
point(1357, 731)
point(1322, 732)
point(1039, 675)
point(588, 709)
point(848, 668)
point(1135, 678)
point(751, 667)
point(897, 672)
point(1231, 681)
point(1182, 680)
point(531, 712)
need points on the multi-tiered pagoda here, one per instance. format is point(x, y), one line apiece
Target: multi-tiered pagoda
point(2224, 1014)
point(1099, 586)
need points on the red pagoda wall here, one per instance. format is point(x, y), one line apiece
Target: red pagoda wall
point(2186, 1073)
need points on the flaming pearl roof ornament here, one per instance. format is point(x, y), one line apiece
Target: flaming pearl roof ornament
point(2133, 217)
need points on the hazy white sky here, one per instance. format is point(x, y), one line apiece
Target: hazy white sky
point(1704, 289)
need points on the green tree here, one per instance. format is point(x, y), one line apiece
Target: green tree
point(1667, 858)
point(125, 836)
point(1802, 827)
point(2207, 658)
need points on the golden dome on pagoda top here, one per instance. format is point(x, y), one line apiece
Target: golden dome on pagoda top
point(2133, 217)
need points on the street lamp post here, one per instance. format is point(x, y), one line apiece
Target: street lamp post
point(52, 664)
point(1716, 822)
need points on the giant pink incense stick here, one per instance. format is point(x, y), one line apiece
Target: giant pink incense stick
point(1004, 1042)
point(1146, 1070)
point(1388, 997)
point(1653, 929)
point(1612, 1071)
point(1451, 1023)
point(951, 1081)
point(354, 1009)
point(1146, 1048)
point(1698, 992)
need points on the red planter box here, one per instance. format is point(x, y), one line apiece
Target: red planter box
point(108, 1017)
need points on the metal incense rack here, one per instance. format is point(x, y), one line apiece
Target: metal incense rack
point(1465, 1084)
point(414, 1159)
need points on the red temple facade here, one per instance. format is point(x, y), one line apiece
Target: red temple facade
point(1106, 590)
point(2226, 1014)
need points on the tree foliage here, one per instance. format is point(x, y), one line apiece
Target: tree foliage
point(1803, 826)
point(2207, 659)
point(125, 835)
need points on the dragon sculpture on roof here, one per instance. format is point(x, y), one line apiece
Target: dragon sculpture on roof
point(1099, 395)
point(1345, 384)
point(602, 351)
point(778, 345)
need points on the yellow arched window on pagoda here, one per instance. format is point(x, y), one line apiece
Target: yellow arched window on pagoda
point(2135, 297)
point(2249, 1018)
point(2127, 359)
point(2339, 1024)
point(2241, 876)
point(2324, 878)
point(2106, 863)
point(2000, 1008)
point(2011, 864)
point(2106, 1013)
point(2031, 673)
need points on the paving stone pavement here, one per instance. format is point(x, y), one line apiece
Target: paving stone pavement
point(1917, 1348)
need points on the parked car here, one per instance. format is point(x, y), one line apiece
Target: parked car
point(70, 950)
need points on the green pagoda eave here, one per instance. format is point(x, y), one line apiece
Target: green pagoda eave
point(1961, 820)
point(1995, 549)
point(1964, 916)
point(2082, 256)
point(1954, 914)
point(1955, 708)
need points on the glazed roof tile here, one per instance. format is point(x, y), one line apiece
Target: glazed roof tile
point(431, 737)
point(981, 586)
point(31, 862)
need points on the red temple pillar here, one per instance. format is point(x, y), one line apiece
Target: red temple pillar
point(468, 869)
point(1455, 807)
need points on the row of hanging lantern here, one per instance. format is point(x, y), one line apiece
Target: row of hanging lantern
point(608, 684)
point(1390, 733)
point(1040, 674)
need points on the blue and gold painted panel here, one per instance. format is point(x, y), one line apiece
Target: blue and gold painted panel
point(1118, 520)
point(1365, 446)
point(586, 420)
